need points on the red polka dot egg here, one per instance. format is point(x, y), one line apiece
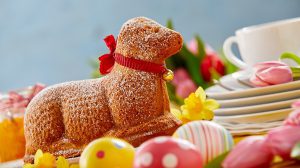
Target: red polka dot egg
point(167, 152)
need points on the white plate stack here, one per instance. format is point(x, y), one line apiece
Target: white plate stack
point(248, 110)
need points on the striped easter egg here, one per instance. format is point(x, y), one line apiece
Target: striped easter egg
point(210, 138)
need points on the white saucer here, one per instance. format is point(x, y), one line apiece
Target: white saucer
point(237, 81)
point(260, 99)
point(221, 93)
point(254, 108)
point(263, 117)
point(247, 126)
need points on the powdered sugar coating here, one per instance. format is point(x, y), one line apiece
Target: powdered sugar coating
point(126, 103)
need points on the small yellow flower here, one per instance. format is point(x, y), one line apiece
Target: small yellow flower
point(196, 107)
point(46, 160)
point(62, 162)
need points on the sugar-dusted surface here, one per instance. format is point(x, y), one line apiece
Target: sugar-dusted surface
point(126, 103)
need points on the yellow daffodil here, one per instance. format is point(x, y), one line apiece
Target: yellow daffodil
point(196, 107)
point(46, 160)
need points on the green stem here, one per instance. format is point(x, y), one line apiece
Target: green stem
point(296, 72)
point(291, 56)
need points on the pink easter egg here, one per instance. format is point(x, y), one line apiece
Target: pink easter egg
point(167, 152)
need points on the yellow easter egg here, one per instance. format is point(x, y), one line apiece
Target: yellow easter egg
point(107, 152)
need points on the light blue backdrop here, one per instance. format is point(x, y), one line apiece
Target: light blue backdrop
point(52, 41)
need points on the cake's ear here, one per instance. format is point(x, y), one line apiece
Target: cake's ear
point(145, 39)
point(173, 42)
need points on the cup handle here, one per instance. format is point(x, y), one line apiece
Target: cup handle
point(229, 54)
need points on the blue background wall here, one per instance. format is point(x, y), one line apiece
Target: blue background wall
point(53, 41)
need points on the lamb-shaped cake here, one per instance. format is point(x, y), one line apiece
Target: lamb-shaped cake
point(131, 102)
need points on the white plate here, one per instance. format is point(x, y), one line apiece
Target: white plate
point(247, 126)
point(234, 82)
point(294, 94)
point(268, 116)
point(217, 92)
point(254, 108)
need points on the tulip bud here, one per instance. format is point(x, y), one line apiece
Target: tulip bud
point(294, 117)
point(185, 88)
point(271, 73)
point(211, 62)
point(250, 152)
point(281, 140)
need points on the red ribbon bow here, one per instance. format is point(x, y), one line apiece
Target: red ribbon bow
point(107, 61)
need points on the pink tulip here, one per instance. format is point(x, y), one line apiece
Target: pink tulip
point(282, 139)
point(193, 46)
point(294, 117)
point(271, 73)
point(183, 83)
point(180, 75)
point(185, 88)
point(296, 105)
point(250, 152)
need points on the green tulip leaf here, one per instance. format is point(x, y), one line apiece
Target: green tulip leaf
point(217, 162)
point(291, 56)
point(201, 47)
point(296, 151)
point(193, 66)
point(170, 24)
point(214, 74)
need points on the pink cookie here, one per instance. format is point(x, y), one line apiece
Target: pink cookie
point(166, 152)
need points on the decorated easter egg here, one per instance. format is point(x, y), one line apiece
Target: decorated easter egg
point(107, 152)
point(167, 152)
point(210, 138)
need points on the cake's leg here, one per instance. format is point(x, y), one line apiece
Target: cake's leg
point(163, 125)
point(43, 124)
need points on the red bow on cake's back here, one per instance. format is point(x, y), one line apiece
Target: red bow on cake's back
point(107, 61)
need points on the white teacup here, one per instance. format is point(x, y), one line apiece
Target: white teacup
point(264, 42)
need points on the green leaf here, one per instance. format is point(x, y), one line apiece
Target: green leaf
point(215, 75)
point(170, 24)
point(217, 162)
point(172, 94)
point(201, 47)
point(296, 72)
point(230, 68)
point(296, 151)
point(94, 63)
point(291, 56)
point(193, 66)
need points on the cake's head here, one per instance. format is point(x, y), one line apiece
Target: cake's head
point(144, 39)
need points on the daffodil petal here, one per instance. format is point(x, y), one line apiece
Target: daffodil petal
point(37, 156)
point(200, 93)
point(28, 165)
point(74, 166)
point(176, 113)
point(207, 114)
point(47, 160)
point(211, 104)
point(62, 162)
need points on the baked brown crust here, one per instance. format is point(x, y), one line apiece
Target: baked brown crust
point(126, 103)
